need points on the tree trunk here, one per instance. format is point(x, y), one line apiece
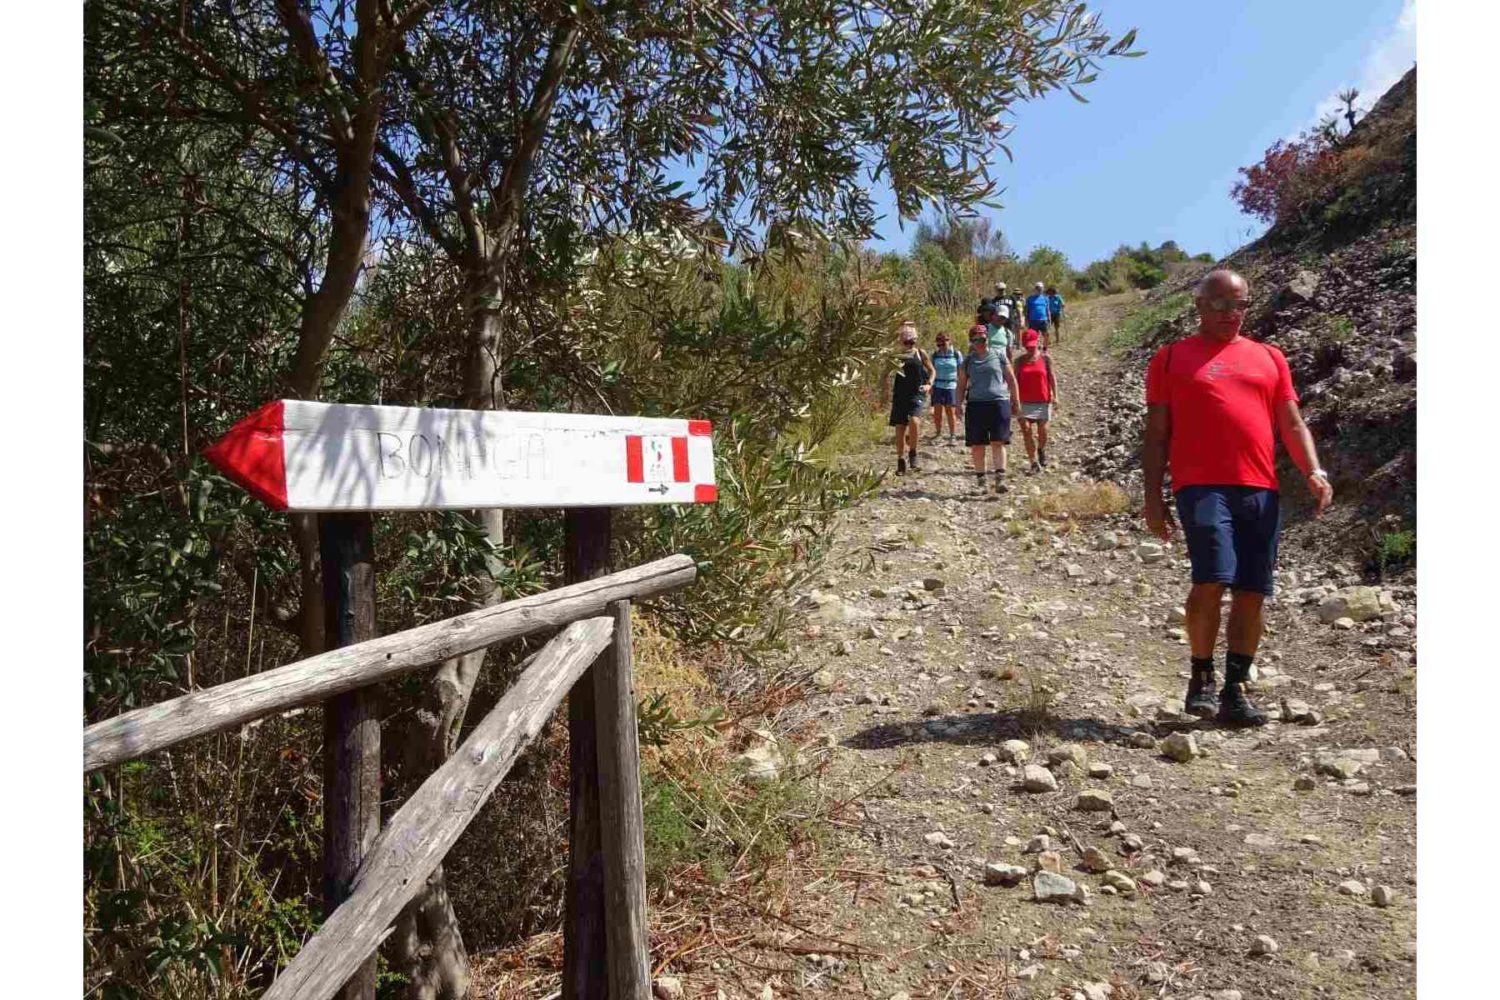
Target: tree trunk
point(427, 945)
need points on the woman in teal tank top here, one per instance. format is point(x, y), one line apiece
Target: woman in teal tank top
point(945, 362)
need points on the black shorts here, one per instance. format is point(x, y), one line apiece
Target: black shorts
point(1040, 326)
point(987, 422)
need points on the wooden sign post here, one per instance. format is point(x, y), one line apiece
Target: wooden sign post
point(344, 460)
point(351, 723)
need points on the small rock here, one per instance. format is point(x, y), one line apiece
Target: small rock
point(1094, 800)
point(1304, 783)
point(1181, 747)
point(1015, 751)
point(988, 760)
point(1143, 741)
point(1341, 767)
point(938, 839)
point(1150, 552)
point(1073, 571)
point(1095, 860)
point(1142, 781)
point(824, 680)
point(1119, 881)
point(1100, 770)
point(667, 988)
point(1038, 779)
point(1343, 624)
point(1354, 887)
point(998, 874)
point(1357, 604)
point(1050, 887)
point(1049, 861)
point(1068, 752)
point(1383, 896)
point(1036, 845)
point(933, 583)
point(1202, 888)
point(1260, 840)
point(1131, 843)
point(1264, 945)
point(760, 765)
point(1154, 879)
point(1097, 991)
point(1029, 973)
point(933, 708)
point(1294, 710)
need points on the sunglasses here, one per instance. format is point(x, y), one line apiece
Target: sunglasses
point(978, 340)
point(1227, 305)
point(908, 343)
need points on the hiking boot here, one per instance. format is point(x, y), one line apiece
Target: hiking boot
point(1202, 694)
point(1234, 708)
point(912, 463)
point(1033, 469)
point(1041, 457)
point(979, 481)
point(1000, 486)
point(900, 466)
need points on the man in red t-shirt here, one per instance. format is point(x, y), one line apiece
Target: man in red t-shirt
point(1214, 403)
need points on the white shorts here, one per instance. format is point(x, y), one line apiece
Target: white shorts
point(1037, 412)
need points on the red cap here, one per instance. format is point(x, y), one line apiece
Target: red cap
point(979, 328)
point(1030, 337)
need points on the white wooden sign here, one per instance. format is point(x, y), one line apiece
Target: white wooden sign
point(297, 455)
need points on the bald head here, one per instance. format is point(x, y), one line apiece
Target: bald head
point(1223, 284)
point(1222, 298)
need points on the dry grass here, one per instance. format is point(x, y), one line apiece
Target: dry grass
point(1081, 500)
point(661, 668)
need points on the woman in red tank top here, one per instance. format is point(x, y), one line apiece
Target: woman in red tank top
point(1038, 387)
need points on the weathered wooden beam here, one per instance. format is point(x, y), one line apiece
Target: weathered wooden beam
point(585, 974)
point(320, 677)
point(351, 721)
point(422, 831)
point(622, 823)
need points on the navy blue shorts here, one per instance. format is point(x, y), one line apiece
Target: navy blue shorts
point(1231, 534)
point(987, 422)
point(943, 396)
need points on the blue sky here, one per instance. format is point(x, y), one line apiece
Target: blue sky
point(1154, 152)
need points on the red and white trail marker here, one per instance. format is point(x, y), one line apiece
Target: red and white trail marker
point(297, 455)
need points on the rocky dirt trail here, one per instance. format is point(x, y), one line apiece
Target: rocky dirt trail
point(1018, 808)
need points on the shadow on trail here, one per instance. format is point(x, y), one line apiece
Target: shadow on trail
point(990, 728)
point(912, 494)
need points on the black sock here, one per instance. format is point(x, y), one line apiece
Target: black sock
point(1203, 665)
point(1237, 666)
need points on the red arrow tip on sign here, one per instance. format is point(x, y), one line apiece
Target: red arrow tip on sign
point(252, 456)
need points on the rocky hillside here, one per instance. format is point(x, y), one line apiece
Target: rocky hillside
point(1336, 292)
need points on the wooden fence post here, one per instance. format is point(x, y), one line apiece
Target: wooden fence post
point(586, 538)
point(623, 825)
point(351, 725)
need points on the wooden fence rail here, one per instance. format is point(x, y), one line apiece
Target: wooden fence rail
point(415, 840)
point(318, 678)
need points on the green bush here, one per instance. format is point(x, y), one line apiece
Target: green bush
point(1147, 323)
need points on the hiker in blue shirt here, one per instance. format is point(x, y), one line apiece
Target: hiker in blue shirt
point(1055, 303)
point(1039, 314)
point(945, 362)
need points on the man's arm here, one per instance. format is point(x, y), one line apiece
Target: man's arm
point(1297, 440)
point(1015, 389)
point(963, 385)
point(1154, 466)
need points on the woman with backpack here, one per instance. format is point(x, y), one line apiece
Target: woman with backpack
point(1038, 390)
point(908, 388)
point(945, 362)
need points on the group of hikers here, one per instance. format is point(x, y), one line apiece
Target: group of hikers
point(1216, 402)
point(1007, 369)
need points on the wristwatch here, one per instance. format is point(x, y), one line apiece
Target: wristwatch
point(1319, 473)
